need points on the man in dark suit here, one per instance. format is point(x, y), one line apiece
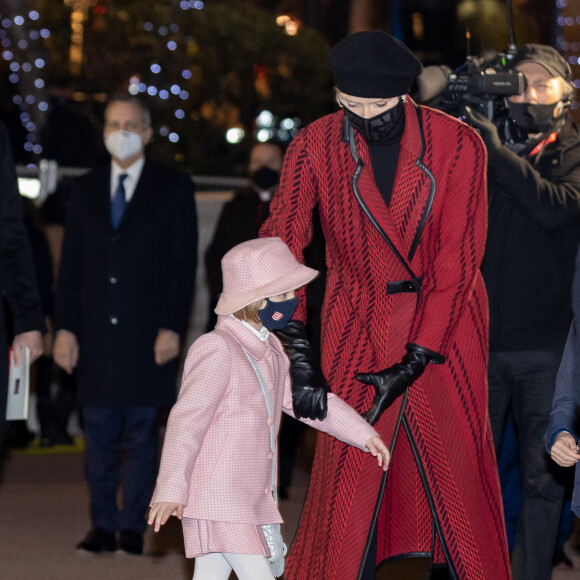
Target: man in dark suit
point(122, 305)
point(17, 278)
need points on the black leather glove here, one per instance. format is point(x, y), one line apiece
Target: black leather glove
point(392, 382)
point(485, 128)
point(309, 387)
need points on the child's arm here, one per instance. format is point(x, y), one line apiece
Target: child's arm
point(344, 423)
point(162, 511)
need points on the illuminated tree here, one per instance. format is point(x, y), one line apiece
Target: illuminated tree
point(202, 68)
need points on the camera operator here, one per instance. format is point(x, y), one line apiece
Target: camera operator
point(533, 235)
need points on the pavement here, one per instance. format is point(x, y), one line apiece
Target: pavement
point(44, 501)
point(44, 514)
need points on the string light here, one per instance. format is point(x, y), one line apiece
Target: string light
point(568, 31)
point(167, 90)
point(20, 37)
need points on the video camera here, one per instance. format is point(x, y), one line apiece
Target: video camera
point(483, 82)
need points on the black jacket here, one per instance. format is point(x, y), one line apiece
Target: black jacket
point(17, 277)
point(533, 235)
point(117, 288)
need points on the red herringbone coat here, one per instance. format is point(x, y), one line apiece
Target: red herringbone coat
point(443, 479)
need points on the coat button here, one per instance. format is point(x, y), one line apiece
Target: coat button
point(270, 421)
point(113, 280)
point(271, 386)
point(114, 320)
point(267, 490)
point(268, 352)
point(270, 456)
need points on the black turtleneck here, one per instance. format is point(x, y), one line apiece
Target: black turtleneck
point(385, 155)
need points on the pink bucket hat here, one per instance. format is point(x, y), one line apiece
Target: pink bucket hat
point(258, 269)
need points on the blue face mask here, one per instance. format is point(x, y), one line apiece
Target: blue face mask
point(275, 315)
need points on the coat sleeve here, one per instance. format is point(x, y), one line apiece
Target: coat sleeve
point(563, 414)
point(177, 305)
point(292, 206)
point(17, 276)
point(206, 377)
point(553, 204)
point(69, 279)
point(342, 421)
point(455, 247)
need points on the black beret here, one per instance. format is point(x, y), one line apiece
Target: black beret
point(373, 64)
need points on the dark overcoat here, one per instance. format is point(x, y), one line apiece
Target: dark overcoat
point(442, 495)
point(566, 404)
point(17, 276)
point(118, 288)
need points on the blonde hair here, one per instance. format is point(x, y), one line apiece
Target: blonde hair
point(249, 313)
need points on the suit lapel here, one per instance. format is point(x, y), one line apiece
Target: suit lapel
point(144, 189)
point(102, 196)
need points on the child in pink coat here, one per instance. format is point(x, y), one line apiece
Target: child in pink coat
point(218, 467)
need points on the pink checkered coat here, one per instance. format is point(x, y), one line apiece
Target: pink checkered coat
point(216, 457)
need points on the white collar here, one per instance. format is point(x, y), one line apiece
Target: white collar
point(133, 174)
point(262, 334)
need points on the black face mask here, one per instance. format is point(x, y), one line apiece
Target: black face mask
point(265, 178)
point(377, 129)
point(532, 118)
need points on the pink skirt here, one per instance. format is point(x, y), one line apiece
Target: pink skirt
point(205, 537)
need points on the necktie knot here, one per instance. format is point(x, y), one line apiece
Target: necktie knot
point(118, 202)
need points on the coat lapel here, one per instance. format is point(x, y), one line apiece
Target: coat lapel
point(411, 193)
point(247, 339)
point(102, 197)
point(374, 200)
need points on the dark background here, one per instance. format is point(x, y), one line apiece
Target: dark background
point(237, 59)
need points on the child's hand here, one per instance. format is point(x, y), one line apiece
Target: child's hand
point(379, 450)
point(565, 451)
point(161, 512)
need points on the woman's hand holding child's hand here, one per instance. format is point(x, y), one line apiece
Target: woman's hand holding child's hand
point(161, 512)
point(379, 450)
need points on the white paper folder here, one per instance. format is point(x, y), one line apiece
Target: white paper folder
point(18, 388)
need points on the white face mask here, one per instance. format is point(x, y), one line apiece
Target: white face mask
point(123, 144)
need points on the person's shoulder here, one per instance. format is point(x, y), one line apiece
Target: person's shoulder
point(450, 128)
point(321, 130)
point(570, 135)
point(96, 171)
point(91, 180)
point(175, 186)
point(166, 174)
point(440, 118)
point(325, 123)
point(216, 342)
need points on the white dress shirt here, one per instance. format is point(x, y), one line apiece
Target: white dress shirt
point(130, 183)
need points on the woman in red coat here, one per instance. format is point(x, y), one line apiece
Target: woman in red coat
point(401, 194)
